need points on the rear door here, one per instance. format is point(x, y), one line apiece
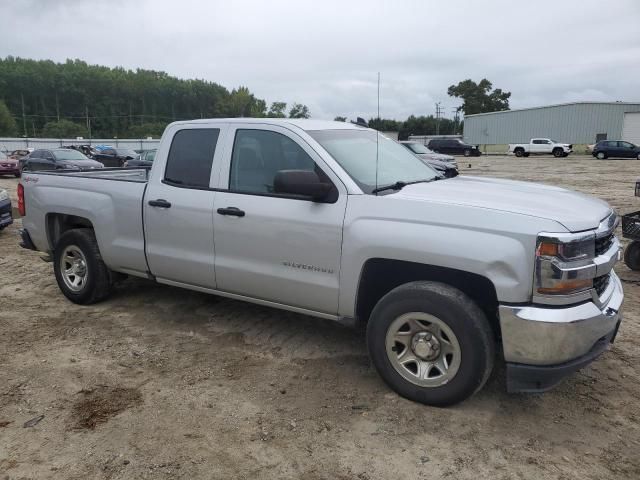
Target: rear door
point(271, 246)
point(178, 207)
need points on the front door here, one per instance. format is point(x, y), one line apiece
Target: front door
point(269, 246)
point(178, 209)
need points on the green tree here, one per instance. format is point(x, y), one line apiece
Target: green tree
point(277, 110)
point(115, 99)
point(145, 130)
point(425, 125)
point(384, 124)
point(64, 129)
point(479, 97)
point(7, 123)
point(340, 119)
point(299, 110)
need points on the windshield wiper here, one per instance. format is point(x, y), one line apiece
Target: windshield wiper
point(400, 185)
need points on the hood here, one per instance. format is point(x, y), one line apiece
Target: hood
point(82, 164)
point(575, 211)
point(436, 156)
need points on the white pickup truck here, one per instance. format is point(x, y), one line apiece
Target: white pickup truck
point(541, 146)
point(333, 220)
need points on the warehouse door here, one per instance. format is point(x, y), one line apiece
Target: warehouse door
point(631, 127)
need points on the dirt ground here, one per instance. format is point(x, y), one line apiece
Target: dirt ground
point(158, 382)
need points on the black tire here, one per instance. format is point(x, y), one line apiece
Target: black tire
point(558, 152)
point(638, 156)
point(632, 255)
point(98, 282)
point(17, 175)
point(460, 314)
point(466, 152)
point(601, 156)
point(526, 154)
point(519, 152)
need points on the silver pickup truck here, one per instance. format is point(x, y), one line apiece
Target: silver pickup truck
point(331, 219)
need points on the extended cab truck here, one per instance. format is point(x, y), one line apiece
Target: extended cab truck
point(333, 220)
point(541, 146)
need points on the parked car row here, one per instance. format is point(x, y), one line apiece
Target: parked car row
point(6, 217)
point(541, 146)
point(445, 165)
point(615, 149)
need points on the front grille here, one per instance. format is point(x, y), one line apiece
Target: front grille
point(603, 243)
point(600, 283)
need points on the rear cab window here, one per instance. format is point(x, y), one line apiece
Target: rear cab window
point(191, 157)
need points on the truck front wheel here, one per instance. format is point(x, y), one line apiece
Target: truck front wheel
point(80, 272)
point(430, 343)
point(558, 152)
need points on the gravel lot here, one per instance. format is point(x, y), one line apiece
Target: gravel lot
point(159, 382)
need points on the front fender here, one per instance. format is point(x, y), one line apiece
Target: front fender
point(497, 245)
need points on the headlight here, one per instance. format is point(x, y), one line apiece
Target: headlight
point(3, 195)
point(564, 264)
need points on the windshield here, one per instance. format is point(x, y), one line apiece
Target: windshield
point(69, 155)
point(150, 155)
point(417, 148)
point(3, 156)
point(355, 151)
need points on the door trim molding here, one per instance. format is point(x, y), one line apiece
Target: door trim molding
point(258, 301)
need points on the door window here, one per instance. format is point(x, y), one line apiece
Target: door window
point(258, 155)
point(190, 157)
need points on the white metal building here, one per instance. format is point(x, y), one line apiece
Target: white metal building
point(578, 123)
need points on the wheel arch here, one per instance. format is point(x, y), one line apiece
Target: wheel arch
point(59, 223)
point(380, 275)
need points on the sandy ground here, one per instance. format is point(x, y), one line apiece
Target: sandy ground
point(159, 382)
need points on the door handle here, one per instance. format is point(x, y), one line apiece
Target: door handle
point(162, 203)
point(233, 211)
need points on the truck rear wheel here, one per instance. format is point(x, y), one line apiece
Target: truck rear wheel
point(430, 343)
point(80, 272)
point(519, 152)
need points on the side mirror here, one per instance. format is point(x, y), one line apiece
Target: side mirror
point(301, 182)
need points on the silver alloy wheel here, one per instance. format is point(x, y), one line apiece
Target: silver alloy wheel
point(600, 156)
point(423, 349)
point(73, 268)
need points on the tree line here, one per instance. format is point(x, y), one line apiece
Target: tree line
point(48, 99)
point(41, 98)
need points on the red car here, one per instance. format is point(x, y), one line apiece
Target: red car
point(8, 165)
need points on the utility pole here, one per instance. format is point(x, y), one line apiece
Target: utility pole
point(57, 107)
point(438, 113)
point(455, 121)
point(24, 117)
point(86, 109)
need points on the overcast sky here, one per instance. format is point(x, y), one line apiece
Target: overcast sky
point(327, 53)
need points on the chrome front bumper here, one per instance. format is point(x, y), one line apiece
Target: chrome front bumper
point(542, 336)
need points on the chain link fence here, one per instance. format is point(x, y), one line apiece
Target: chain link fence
point(9, 144)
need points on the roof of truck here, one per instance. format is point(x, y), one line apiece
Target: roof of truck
point(304, 124)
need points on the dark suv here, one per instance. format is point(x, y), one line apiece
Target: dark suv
point(453, 147)
point(615, 148)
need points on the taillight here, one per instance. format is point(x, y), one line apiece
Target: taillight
point(21, 208)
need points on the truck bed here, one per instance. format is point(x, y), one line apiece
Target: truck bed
point(110, 199)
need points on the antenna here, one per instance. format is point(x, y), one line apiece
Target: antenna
point(377, 134)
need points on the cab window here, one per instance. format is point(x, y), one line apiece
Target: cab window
point(190, 157)
point(258, 155)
